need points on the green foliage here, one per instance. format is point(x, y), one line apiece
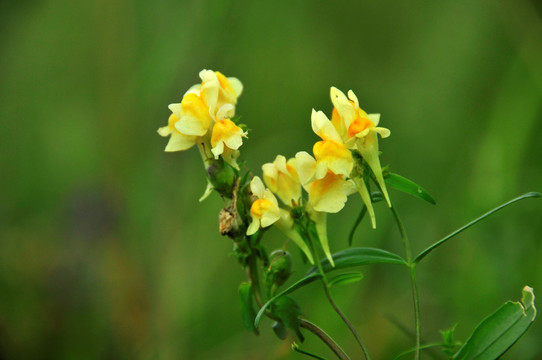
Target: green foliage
point(247, 307)
point(500, 330)
point(473, 222)
point(222, 176)
point(279, 270)
point(449, 345)
point(298, 284)
point(346, 278)
point(407, 186)
point(287, 311)
point(359, 256)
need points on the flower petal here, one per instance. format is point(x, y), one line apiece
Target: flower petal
point(179, 142)
point(323, 127)
point(329, 194)
point(306, 167)
point(257, 188)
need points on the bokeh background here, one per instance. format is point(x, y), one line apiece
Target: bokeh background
point(105, 252)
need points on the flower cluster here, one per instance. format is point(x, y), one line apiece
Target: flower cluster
point(204, 117)
point(335, 171)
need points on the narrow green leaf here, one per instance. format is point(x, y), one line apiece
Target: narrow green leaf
point(345, 278)
point(356, 224)
point(359, 256)
point(247, 309)
point(500, 330)
point(298, 284)
point(408, 186)
point(491, 212)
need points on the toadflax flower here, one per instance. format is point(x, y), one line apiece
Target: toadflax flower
point(202, 107)
point(359, 131)
point(281, 178)
point(218, 90)
point(266, 212)
point(189, 120)
point(226, 136)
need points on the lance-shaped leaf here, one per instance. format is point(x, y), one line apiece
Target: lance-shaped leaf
point(345, 278)
point(247, 308)
point(359, 256)
point(500, 330)
point(407, 186)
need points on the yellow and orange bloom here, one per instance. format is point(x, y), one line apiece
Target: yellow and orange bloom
point(218, 90)
point(226, 136)
point(359, 131)
point(281, 178)
point(330, 153)
point(189, 121)
point(326, 194)
point(265, 210)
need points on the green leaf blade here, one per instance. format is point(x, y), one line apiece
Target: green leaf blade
point(247, 308)
point(298, 284)
point(500, 330)
point(473, 222)
point(405, 185)
point(359, 256)
point(346, 278)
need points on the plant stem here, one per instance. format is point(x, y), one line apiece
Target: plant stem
point(332, 302)
point(253, 275)
point(413, 282)
point(306, 324)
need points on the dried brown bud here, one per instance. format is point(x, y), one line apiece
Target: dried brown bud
point(226, 221)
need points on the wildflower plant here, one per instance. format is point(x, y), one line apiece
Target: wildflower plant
point(295, 195)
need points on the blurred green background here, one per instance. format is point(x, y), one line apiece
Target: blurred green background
point(105, 251)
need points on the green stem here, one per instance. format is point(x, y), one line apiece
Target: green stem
point(328, 340)
point(325, 283)
point(413, 282)
point(253, 275)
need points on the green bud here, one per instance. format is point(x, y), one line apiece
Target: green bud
point(279, 270)
point(222, 176)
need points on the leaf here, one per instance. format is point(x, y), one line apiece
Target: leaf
point(247, 309)
point(491, 212)
point(298, 284)
point(345, 278)
point(287, 310)
point(359, 256)
point(500, 330)
point(408, 186)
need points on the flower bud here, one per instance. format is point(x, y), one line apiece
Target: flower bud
point(222, 176)
point(279, 270)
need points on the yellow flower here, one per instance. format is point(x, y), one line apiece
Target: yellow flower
point(265, 210)
point(281, 178)
point(189, 121)
point(359, 131)
point(226, 137)
point(218, 90)
point(330, 153)
point(326, 194)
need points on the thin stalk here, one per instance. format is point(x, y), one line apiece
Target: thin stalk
point(325, 283)
point(253, 275)
point(413, 282)
point(328, 340)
